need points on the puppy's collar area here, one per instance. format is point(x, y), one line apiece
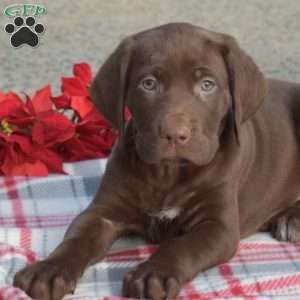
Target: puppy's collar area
point(167, 213)
point(162, 225)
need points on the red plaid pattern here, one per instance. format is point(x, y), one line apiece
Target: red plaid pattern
point(33, 218)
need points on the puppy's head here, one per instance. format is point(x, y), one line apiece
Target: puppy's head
point(183, 85)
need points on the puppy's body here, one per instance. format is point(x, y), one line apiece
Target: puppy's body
point(266, 171)
point(210, 156)
point(271, 145)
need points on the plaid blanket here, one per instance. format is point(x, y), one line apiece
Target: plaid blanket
point(34, 214)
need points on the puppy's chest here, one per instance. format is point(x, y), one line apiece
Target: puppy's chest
point(161, 217)
point(162, 225)
point(159, 205)
point(167, 214)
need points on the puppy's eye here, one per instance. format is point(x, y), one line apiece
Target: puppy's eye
point(149, 83)
point(207, 85)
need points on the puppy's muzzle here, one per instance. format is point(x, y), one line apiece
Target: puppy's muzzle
point(176, 130)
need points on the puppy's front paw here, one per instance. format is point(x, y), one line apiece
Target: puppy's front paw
point(45, 280)
point(287, 228)
point(151, 281)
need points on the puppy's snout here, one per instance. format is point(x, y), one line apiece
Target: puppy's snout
point(176, 130)
point(180, 135)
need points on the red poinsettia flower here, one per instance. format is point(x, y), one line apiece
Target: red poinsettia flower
point(23, 113)
point(10, 103)
point(48, 127)
point(41, 101)
point(27, 132)
point(20, 157)
point(94, 138)
point(76, 86)
point(37, 136)
point(13, 110)
point(83, 71)
point(52, 128)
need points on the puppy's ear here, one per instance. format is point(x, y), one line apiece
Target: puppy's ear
point(108, 89)
point(246, 83)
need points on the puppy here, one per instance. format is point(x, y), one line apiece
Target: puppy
point(210, 156)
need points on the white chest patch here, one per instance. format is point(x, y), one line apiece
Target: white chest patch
point(170, 213)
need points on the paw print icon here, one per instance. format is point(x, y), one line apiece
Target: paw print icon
point(24, 31)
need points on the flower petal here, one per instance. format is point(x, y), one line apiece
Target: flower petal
point(83, 71)
point(96, 117)
point(74, 150)
point(10, 103)
point(74, 87)
point(2, 96)
point(82, 105)
point(51, 159)
point(42, 100)
point(36, 168)
point(17, 163)
point(23, 141)
point(61, 101)
point(52, 129)
point(38, 133)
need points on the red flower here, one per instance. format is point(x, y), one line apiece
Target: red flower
point(83, 71)
point(49, 127)
point(19, 156)
point(82, 105)
point(10, 103)
point(94, 138)
point(23, 114)
point(61, 101)
point(27, 132)
point(52, 128)
point(76, 86)
point(35, 138)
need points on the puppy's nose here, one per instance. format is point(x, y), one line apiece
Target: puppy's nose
point(180, 135)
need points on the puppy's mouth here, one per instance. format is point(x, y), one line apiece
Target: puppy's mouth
point(153, 150)
point(182, 162)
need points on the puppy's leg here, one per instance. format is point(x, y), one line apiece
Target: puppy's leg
point(178, 261)
point(286, 227)
point(211, 241)
point(87, 240)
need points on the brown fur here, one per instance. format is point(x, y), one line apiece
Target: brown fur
point(227, 161)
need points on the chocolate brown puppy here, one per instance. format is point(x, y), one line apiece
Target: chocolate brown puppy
point(210, 156)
